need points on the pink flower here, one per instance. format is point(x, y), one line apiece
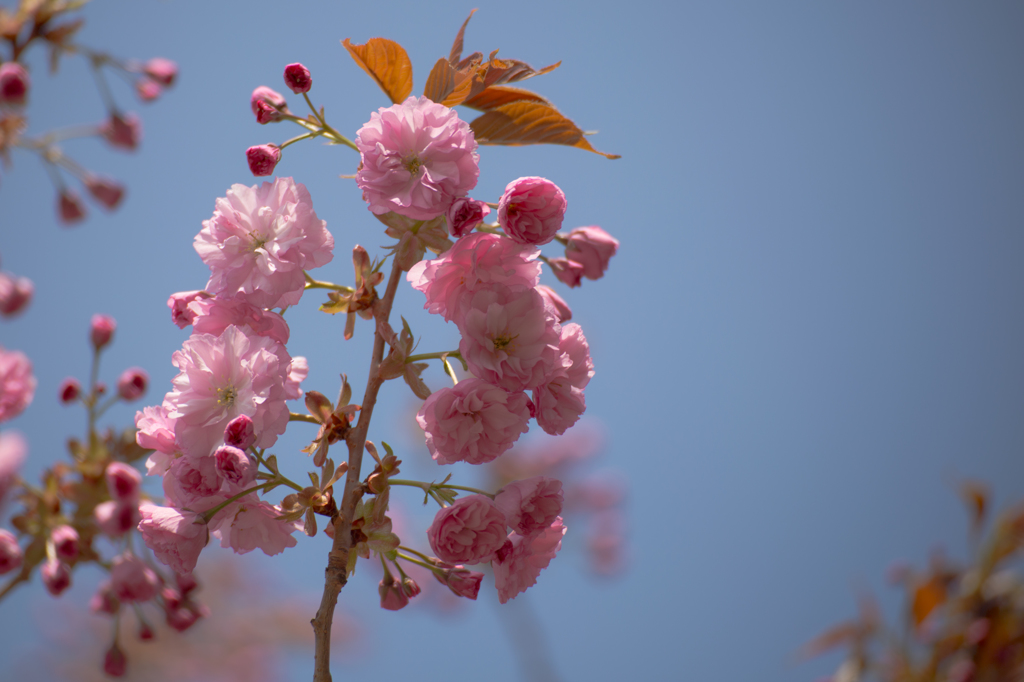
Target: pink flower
point(567, 271)
point(101, 330)
point(469, 531)
point(263, 159)
point(14, 84)
point(65, 542)
point(132, 580)
point(560, 401)
point(477, 261)
point(56, 576)
point(163, 71)
point(297, 78)
point(10, 552)
point(509, 339)
point(517, 569)
point(235, 468)
point(176, 537)
point(240, 433)
point(15, 294)
point(131, 385)
point(267, 104)
point(255, 526)
point(259, 241)
point(417, 157)
point(69, 207)
point(104, 190)
point(17, 384)
point(592, 248)
point(13, 449)
point(123, 482)
point(214, 315)
point(194, 483)
point(222, 377)
point(461, 581)
point(556, 302)
point(115, 663)
point(465, 214)
point(156, 432)
point(473, 421)
point(531, 505)
point(531, 210)
point(114, 519)
point(122, 132)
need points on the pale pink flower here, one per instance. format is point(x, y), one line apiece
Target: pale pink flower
point(181, 314)
point(13, 448)
point(592, 248)
point(11, 555)
point(15, 294)
point(469, 531)
point(531, 505)
point(176, 537)
point(14, 84)
point(162, 70)
point(297, 78)
point(236, 469)
point(567, 271)
point(65, 542)
point(517, 569)
point(477, 261)
point(193, 483)
point(101, 330)
point(17, 383)
point(259, 241)
point(255, 526)
point(574, 344)
point(214, 315)
point(263, 159)
point(222, 377)
point(562, 310)
point(114, 519)
point(132, 383)
point(473, 421)
point(417, 157)
point(509, 338)
point(56, 576)
point(123, 482)
point(156, 432)
point(122, 132)
point(560, 401)
point(465, 214)
point(531, 210)
point(132, 580)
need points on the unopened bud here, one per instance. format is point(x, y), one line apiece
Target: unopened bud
point(65, 542)
point(15, 294)
point(131, 385)
point(265, 104)
point(56, 576)
point(556, 302)
point(163, 71)
point(104, 190)
point(14, 84)
point(147, 89)
point(122, 132)
point(146, 632)
point(69, 207)
point(263, 159)
point(104, 601)
point(410, 587)
point(115, 662)
point(297, 78)
point(101, 330)
point(10, 552)
point(123, 482)
point(392, 596)
point(114, 519)
point(567, 271)
point(181, 314)
point(240, 433)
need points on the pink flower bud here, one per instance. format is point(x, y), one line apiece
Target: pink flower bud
point(70, 389)
point(132, 580)
point(101, 388)
point(116, 518)
point(163, 71)
point(464, 215)
point(567, 271)
point(146, 633)
point(184, 615)
point(101, 330)
point(265, 104)
point(462, 581)
point(240, 432)
point(131, 385)
point(104, 190)
point(235, 467)
point(56, 576)
point(181, 314)
point(123, 482)
point(15, 294)
point(186, 583)
point(392, 596)
point(147, 89)
point(561, 308)
point(263, 159)
point(14, 84)
point(65, 542)
point(69, 207)
point(531, 210)
point(592, 248)
point(104, 601)
point(122, 132)
point(410, 587)
point(115, 662)
point(10, 552)
point(297, 78)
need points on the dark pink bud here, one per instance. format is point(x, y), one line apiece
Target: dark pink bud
point(56, 576)
point(14, 84)
point(15, 294)
point(65, 542)
point(115, 662)
point(186, 583)
point(69, 207)
point(297, 78)
point(101, 388)
point(107, 192)
point(184, 615)
point(132, 580)
point(163, 71)
point(10, 552)
point(263, 159)
point(240, 432)
point(235, 466)
point(266, 104)
point(181, 314)
point(410, 587)
point(146, 633)
point(116, 518)
point(122, 132)
point(567, 271)
point(147, 89)
point(462, 581)
point(464, 215)
point(131, 385)
point(101, 330)
point(123, 482)
point(392, 596)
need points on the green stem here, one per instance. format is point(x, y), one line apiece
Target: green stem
point(283, 480)
point(427, 487)
point(209, 513)
point(411, 560)
point(307, 136)
point(308, 418)
point(433, 356)
point(410, 549)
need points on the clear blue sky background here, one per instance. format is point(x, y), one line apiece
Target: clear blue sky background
point(813, 327)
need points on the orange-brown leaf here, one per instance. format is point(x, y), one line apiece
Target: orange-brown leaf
point(499, 71)
point(447, 85)
point(387, 63)
point(524, 122)
point(456, 54)
point(928, 596)
point(835, 636)
point(975, 496)
point(498, 95)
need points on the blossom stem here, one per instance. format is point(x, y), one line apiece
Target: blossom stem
point(433, 356)
point(209, 513)
point(411, 560)
point(315, 284)
point(297, 417)
point(323, 122)
point(425, 487)
point(297, 138)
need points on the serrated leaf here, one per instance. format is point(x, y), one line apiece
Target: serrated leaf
point(499, 71)
point(499, 95)
point(456, 52)
point(387, 63)
point(928, 596)
point(447, 85)
point(520, 123)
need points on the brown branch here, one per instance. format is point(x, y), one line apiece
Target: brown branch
point(336, 574)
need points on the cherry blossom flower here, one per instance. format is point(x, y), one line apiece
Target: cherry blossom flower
point(194, 483)
point(393, 595)
point(181, 314)
point(531, 210)
point(236, 469)
point(531, 505)
point(174, 536)
point(17, 383)
point(516, 569)
point(417, 158)
point(132, 383)
point(13, 448)
point(156, 432)
point(567, 271)
point(473, 421)
point(114, 519)
point(65, 542)
point(465, 214)
point(255, 526)
point(56, 576)
point(214, 315)
point(297, 78)
point(560, 401)
point(563, 313)
point(592, 248)
point(240, 433)
point(132, 580)
point(469, 531)
point(259, 241)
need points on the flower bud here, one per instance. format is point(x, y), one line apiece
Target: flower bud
point(116, 518)
point(122, 132)
point(163, 71)
point(263, 159)
point(56, 576)
point(132, 580)
point(265, 104)
point(181, 314)
point(115, 663)
point(147, 89)
point(108, 192)
point(146, 633)
point(392, 596)
point(592, 248)
point(567, 271)
point(15, 294)
point(69, 207)
point(101, 330)
point(464, 215)
point(104, 601)
point(531, 210)
point(410, 587)
point(14, 84)
point(123, 482)
point(235, 467)
point(131, 385)
point(10, 553)
point(462, 581)
point(65, 542)
point(297, 78)
point(240, 432)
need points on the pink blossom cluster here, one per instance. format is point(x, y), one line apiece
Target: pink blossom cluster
point(15, 294)
point(475, 530)
point(17, 383)
point(229, 399)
